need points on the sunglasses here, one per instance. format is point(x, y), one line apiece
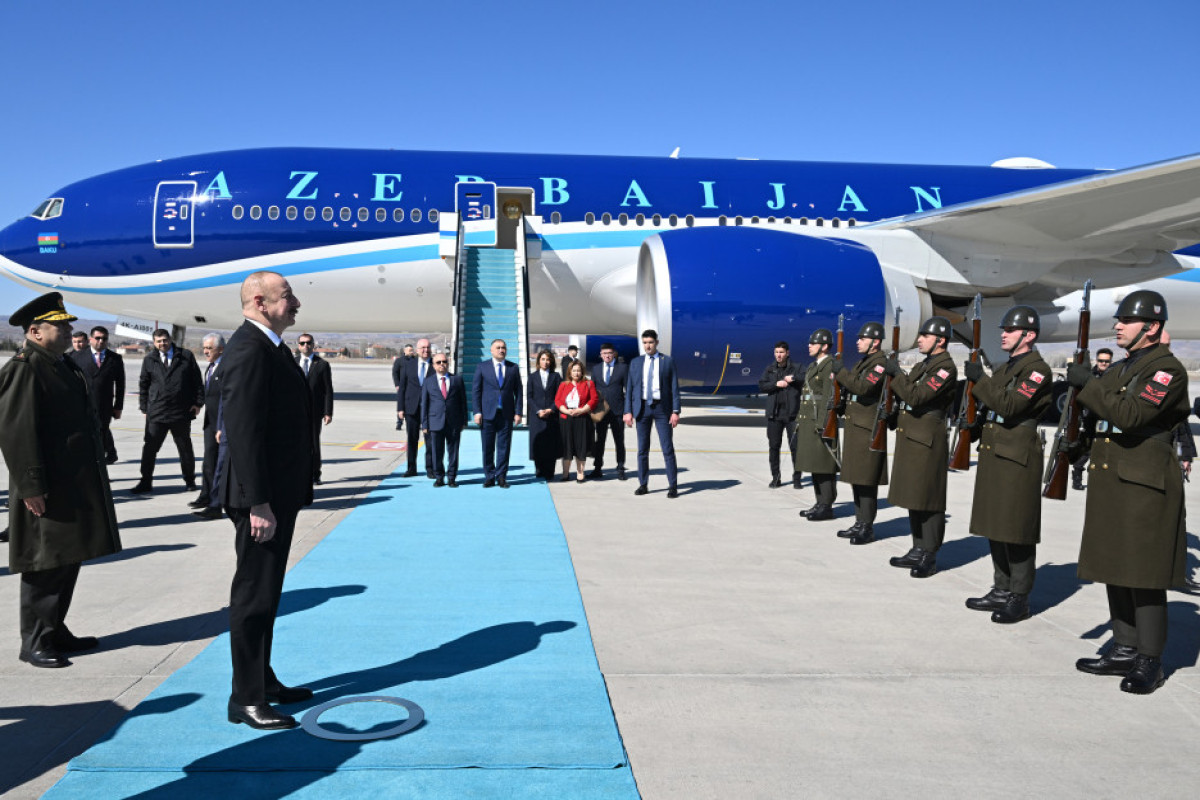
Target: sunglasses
point(305, 344)
point(1103, 360)
point(440, 362)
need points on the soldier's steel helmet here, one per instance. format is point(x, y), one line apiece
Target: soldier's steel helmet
point(870, 330)
point(821, 336)
point(1143, 304)
point(938, 326)
point(1023, 317)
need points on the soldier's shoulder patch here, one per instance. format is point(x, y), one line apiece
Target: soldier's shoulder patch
point(1162, 377)
point(874, 377)
point(878, 368)
point(1036, 377)
point(1027, 389)
point(943, 374)
point(1153, 394)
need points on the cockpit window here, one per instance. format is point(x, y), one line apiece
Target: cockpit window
point(49, 209)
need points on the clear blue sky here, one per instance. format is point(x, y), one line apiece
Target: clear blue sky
point(89, 87)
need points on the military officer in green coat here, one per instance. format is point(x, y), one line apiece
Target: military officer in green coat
point(918, 483)
point(814, 454)
point(1008, 483)
point(863, 468)
point(1134, 529)
point(60, 505)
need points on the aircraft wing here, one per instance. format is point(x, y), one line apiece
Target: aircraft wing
point(1126, 217)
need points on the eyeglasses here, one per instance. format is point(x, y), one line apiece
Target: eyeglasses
point(100, 338)
point(305, 344)
point(1103, 360)
point(438, 362)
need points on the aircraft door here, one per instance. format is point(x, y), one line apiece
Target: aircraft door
point(475, 203)
point(173, 214)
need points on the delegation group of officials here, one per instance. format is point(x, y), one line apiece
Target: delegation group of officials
point(61, 510)
point(1134, 534)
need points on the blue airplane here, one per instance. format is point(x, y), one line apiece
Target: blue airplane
point(722, 257)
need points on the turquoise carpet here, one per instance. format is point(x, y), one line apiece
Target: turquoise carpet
point(463, 601)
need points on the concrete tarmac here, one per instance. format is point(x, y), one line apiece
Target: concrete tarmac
point(748, 653)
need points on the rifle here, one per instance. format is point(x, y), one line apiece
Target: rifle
point(1068, 424)
point(887, 398)
point(831, 422)
point(960, 452)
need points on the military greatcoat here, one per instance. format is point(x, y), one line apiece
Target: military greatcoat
point(53, 447)
point(1008, 481)
point(862, 466)
point(1134, 526)
point(812, 453)
point(922, 450)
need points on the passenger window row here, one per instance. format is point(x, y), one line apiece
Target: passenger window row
point(690, 221)
point(345, 213)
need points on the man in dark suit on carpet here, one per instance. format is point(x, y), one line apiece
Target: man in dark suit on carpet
point(207, 505)
point(320, 384)
point(170, 394)
point(414, 373)
point(106, 372)
point(610, 377)
point(443, 417)
point(265, 406)
point(497, 398)
point(652, 399)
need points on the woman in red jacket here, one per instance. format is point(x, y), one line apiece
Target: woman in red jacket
point(575, 399)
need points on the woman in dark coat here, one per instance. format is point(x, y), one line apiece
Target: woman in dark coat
point(545, 443)
point(575, 400)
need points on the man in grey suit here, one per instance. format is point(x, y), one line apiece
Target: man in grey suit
point(443, 417)
point(610, 377)
point(651, 390)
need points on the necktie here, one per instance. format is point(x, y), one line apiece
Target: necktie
point(608, 373)
point(166, 360)
point(421, 373)
point(443, 387)
point(500, 383)
point(99, 357)
point(650, 381)
point(208, 373)
point(306, 360)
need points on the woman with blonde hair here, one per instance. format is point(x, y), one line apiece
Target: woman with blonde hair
point(575, 399)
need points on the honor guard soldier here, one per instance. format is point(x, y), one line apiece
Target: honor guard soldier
point(918, 481)
point(781, 384)
point(814, 454)
point(1134, 530)
point(60, 504)
point(863, 468)
point(1008, 484)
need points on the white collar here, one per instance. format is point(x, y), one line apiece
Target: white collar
point(274, 337)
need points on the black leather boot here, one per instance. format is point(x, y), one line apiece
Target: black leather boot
point(819, 513)
point(908, 560)
point(926, 567)
point(994, 600)
point(1145, 677)
point(851, 531)
point(865, 535)
point(1117, 661)
point(1015, 609)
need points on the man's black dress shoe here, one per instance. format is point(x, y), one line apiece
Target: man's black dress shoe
point(429, 474)
point(596, 474)
point(1117, 661)
point(261, 716)
point(489, 483)
point(502, 483)
point(289, 694)
point(673, 492)
point(865, 535)
point(438, 482)
point(1145, 677)
point(775, 483)
point(908, 560)
point(453, 484)
point(199, 502)
point(926, 567)
point(46, 659)
point(208, 513)
point(819, 513)
point(994, 600)
point(621, 473)
point(69, 643)
point(190, 486)
point(111, 460)
point(851, 531)
point(142, 488)
point(409, 473)
point(641, 490)
point(317, 481)
point(4, 535)
point(1016, 608)
point(1077, 485)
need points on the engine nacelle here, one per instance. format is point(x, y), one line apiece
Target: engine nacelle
point(721, 297)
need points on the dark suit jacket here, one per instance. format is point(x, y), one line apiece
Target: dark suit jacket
point(266, 412)
point(438, 413)
point(108, 380)
point(613, 391)
point(320, 383)
point(565, 364)
point(539, 399)
point(167, 395)
point(668, 385)
point(409, 398)
point(487, 395)
point(212, 395)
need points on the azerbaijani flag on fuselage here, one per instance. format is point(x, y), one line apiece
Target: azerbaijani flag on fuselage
point(47, 240)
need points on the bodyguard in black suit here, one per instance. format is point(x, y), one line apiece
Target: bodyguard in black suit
point(610, 377)
point(170, 394)
point(443, 417)
point(320, 384)
point(265, 405)
point(208, 507)
point(106, 372)
point(408, 405)
point(496, 396)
